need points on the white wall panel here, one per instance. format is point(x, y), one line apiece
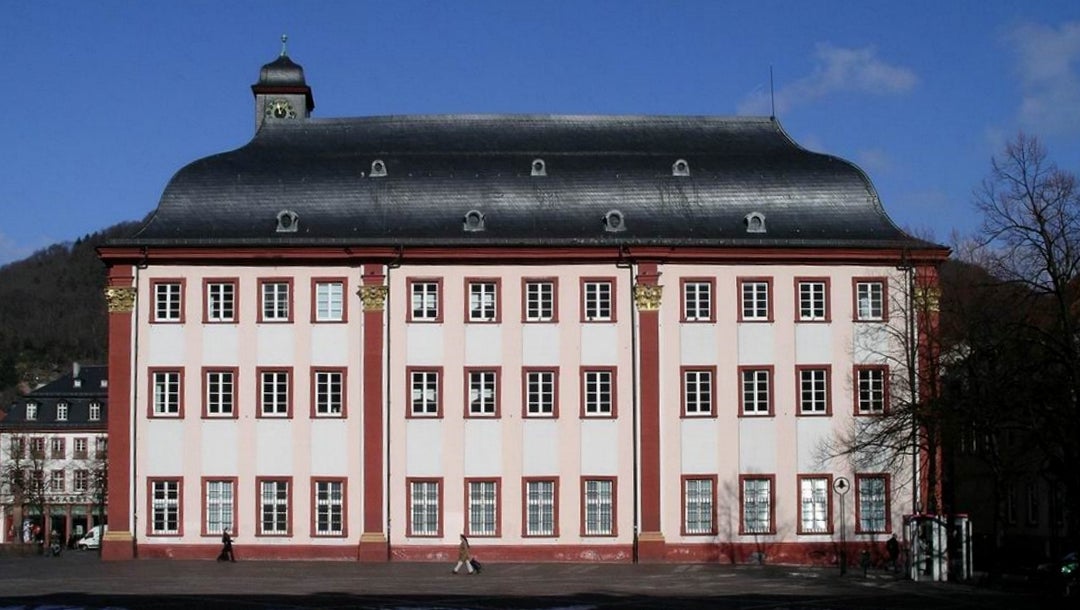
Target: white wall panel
point(219, 447)
point(698, 343)
point(756, 344)
point(813, 343)
point(424, 448)
point(220, 345)
point(541, 447)
point(163, 446)
point(483, 448)
point(757, 445)
point(483, 344)
point(329, 344)
point(329, 442)
point(274, 344)
point(871, 343)
point(699, 445)
point(423, 344)
point(600, 447)
point(813, 433)
point(165, 345)
point(539, 345)
point(273, 447)
point(599, 344)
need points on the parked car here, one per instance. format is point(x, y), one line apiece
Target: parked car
point(92, 538)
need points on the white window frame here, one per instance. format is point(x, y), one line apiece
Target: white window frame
point(814, 513)
point(540, 393)
point(871, 385)
point(95, 410)
point(813, 391)
point(483, 301)
point(698, 509)
point(57, 448)
point(483, 508)
point(599, 505)
point(697, 301)
point(80, 482)
point(220, 505)
point(329, 301)
point(329, 508)
point(274, 389)
point(329, 393)
point(540, 517)
point(81, 448)
point(168, 301)
point(424, 391)
point(813, 300)
point(61, 411)
point(872, 496)
point(274, 495)
point(755, 385)
point(165, 507)
point(166, 393)
point(870, 300)
point(274, 299)
point(754, 300)
point(424, 504)
point(57, 480)
point(220, 393)
point(31, 411)
point(221, 301)
point(424, 300)
point(598, 393)
point(539, 300)
point(757, 505)
point(598, 300)
point(698, 392)
point(483, 391)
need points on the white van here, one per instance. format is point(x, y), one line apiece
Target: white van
point(92, 539)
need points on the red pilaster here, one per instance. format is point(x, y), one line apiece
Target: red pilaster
point(119, 543)
point(650, 542)
point(373, 543)
point(927, 310)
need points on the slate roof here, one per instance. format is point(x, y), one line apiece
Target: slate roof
point(89, 389)
point(440, 167)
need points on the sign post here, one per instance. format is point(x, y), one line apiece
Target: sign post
point(841, 487)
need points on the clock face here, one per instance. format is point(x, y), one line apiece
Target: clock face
point(280, 109)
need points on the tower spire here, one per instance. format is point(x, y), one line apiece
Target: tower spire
point(284, 48)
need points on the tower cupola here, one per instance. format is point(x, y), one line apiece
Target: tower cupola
point(282, 94)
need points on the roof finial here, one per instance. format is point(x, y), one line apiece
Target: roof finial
point(284, 49)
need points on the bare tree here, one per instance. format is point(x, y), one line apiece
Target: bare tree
point(22, 478)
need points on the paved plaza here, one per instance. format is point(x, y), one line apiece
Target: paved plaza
point(79, 580)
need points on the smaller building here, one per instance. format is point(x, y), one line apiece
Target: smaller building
point(53, 466)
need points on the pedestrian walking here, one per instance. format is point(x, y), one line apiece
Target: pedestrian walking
point(464, 556)
point(892, 547)
point(226, 547)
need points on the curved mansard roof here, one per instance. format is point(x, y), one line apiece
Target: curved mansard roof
point(439, 168)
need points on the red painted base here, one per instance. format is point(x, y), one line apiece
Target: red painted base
point(651, 548)
point(614, 553)
point(373, 551)
point(210, 552)
point(117, 550)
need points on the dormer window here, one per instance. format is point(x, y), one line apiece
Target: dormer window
point(31, 411)
point(613, 221)
point(287, 221)
point(95, 411)
point(378, 168)
point(474, 221)
point(76, 383)
point(104, 383)
point(680, 168)
point(539, 168)
point(61, 411)
point(755, 222)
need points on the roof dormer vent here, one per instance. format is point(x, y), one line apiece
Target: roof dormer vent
point(755, 222)
point(614, 222)
point(680, 168)
point(287, 221)
point(539, 168)
point(378, 168)
point(474, 221)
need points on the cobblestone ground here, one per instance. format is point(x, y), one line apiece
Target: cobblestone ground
point(80, 581)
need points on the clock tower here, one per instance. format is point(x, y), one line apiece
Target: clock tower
point(281, 93)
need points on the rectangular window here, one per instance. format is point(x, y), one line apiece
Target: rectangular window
point(31, 411)
point(329, 296)
point(274, 393)
point(426, 302)
point(540, 503)
point(329, 396)
point(274, 505)
point(220, 502)
point(698, 393)
point(165, 392)
point(425, 396)
point(81, 482)
point(424, 503)
point(37, 447)
point(80, 448)
point(276, 300)
point(95, 410)
point(756, 395)
point(220, 393)
point(815, 508)
point(483, 301)
point(57, 448)
point(56, 480)
point(220, 300)
point(168, 301)
point(539, 300)
point(872, 503)
point(597, 301)
point(813, 390)
point(598, 507)
point(541, 393)
point(757, 505)
point(101, 447)
point(813, 299)
point(699, 501)
point(61, 411)
point(483, 393)
point(18, 447)
point(697, 300)
point(164, 507)
point(869, 300)
point(754, 300)
point(598, 393)
point(483, 508)
point(871, 396)
point(329, 508)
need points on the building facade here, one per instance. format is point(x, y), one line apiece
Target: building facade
point(53, 458)
point(567, 337)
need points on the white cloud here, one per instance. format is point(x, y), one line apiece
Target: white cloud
point(835, 70)
point(1047, 62)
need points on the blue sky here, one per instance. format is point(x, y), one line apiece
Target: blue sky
point(107, 99)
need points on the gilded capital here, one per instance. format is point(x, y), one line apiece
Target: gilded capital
point(120, 299)
point(647, 296)
point(928, 298)
point(372, 297)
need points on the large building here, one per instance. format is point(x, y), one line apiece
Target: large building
point(616, 338)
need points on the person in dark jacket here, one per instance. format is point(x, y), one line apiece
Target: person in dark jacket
point(892, 547)
point(226, 547)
